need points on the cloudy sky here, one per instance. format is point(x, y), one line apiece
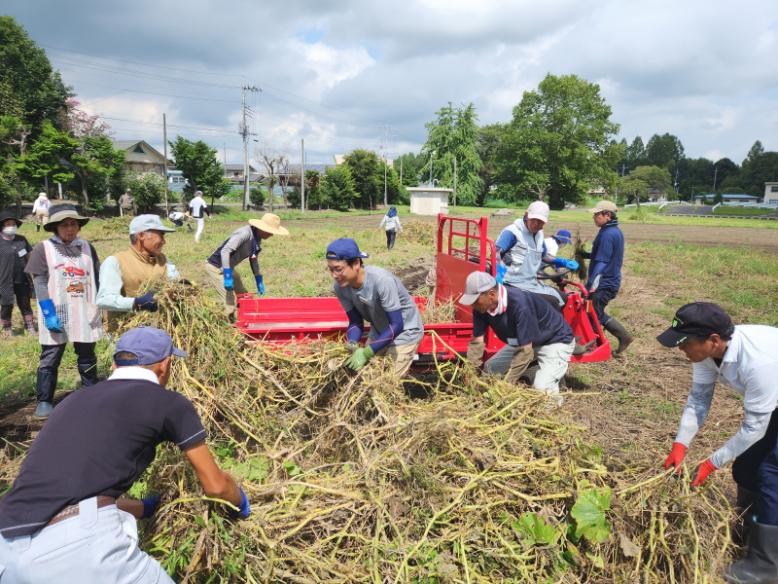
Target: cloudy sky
point(345, 74)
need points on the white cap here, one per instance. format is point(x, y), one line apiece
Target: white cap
point(143, 223)
point(476, 284)
point(538, 210)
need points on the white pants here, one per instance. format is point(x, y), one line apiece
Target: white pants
point(98, 545)
point(200, 228)
point(552, 361)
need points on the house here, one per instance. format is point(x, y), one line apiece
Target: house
point(726, 198)
point(428, 200)
point(771, 193)
point(234, 172)
point(140, 156)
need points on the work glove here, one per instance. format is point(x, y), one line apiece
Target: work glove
point(475, 351)
point(260, 284)
point(50, 317)
point(676, 456)
point(571, 265)
point(229, 284)
point(150, 505)
point(359, 358)
point(244, 509)
point(501, 269)
point(703, 471)
point(146, 302)
point(352, 346)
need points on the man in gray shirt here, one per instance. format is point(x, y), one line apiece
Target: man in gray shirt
point(245, 242)
point(369, 293)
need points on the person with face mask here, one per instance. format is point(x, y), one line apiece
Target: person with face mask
point(13, 281)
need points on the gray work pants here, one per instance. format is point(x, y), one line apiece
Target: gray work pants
point(552, 362)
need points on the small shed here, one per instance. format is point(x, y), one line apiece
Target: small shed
point(429, 200)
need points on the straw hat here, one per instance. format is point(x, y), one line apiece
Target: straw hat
point(58, 213)
point(270, 223)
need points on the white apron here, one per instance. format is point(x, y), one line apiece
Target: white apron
point(72, 289)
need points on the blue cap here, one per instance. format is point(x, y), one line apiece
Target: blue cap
point(344, 248)
point(564, 236)
point(149, 345)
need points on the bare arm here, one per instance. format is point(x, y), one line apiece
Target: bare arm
point(215, 482)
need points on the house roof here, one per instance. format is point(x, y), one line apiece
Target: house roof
point(238, 167)
point(139, 151)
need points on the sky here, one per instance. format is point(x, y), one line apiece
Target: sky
point(346, 74)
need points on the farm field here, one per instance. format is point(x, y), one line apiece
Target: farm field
point(627, 408)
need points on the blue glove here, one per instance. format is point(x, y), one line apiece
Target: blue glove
point(228, 282)
point(260, 284)
point(146, 302)
point(150, 505)
point(571, 265)
point(50, 318)
point(501, 269)
point(244, 509)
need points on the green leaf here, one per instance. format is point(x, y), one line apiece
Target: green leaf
point(291, 468)
point(533, 530)
point(253, 470)
point(589, 514)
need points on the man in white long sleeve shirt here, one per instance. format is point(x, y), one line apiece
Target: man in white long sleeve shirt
point(198, 209)
point(745, 357)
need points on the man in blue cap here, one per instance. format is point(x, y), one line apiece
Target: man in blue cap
point(369, 293)
point(745, 358)
point(65, 519)
point(125, 277)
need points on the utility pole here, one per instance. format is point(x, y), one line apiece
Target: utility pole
point(455, 181)
point(164, 148)
point(401, 171)
point(244, 132)
point(715, 175)
point(302, 174)
point(224, 155)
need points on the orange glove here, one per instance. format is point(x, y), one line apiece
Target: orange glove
point(703, 471)
point(677, 454)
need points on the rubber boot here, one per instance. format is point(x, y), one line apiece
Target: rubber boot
point(760, 566)
point(43, 410)
point(617, 329)
point(745, 507)
point(38, 227)
point(46, 384)
point(585, 348)
point(29, 325)
point(5, 328)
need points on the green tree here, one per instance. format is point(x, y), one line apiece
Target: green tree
point(29, 88)
point(489, 140)
point(95, 162)
point(199, 164)
point(313, 189)
point(758, 168)
point(148, 189)
point(48, 156)
point(411, 165)
point(636, 155)
point(451, 152)
point(560, 142)
point(257, 196)
point(368, 174)
point(724, 170)
point(665, 151)
point(338, 189)
point(644, 180)
point(695, 175)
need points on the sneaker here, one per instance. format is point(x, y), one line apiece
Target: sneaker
point(43, 410)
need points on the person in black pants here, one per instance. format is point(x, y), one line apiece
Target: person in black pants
point(14, 283)
point(391, 223)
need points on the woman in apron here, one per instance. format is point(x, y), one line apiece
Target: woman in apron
point(65, 273)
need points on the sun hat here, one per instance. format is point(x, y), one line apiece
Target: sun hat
point(148, 222)
point(149, 345)
point(269, 223)
point(58, 213)
point(697, 320)
point(476, 284)
point(6, 215)
point(604, 206)
point(538, 210)
point(344, 248)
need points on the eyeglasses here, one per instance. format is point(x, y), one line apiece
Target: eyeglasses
point(336, 270)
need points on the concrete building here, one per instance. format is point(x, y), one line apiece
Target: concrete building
point(727, 198)
point(771, 193)
point(429, 200)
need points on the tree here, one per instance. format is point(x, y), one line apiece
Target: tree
point(48, 156)
point(451, 151)
point(313, 189)
point(560, 142)
point(758, 168)
point(639, 183)
point(368, 174)
point(636, 155)
point(271, 162)
point(695, 175)
point(95, 163)
point(200, 167)
point(665, 151)
point(410, 166)
point(338, 190)
point(148, 189)
point(754, 152)
point(489, 139)
point(723, 170)
point(257, 196)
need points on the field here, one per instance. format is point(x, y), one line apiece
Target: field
point(627, 408)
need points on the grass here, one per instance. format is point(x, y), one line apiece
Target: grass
point(745, 211)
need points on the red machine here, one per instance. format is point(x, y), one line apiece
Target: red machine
point(463, 246)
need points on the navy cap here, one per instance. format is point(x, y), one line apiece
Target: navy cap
point(697, 320)
point(564, 236)
point(344, 248)
point(149, 345)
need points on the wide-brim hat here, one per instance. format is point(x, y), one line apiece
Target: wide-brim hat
point(6, 215)
point(269, 223)
point(58, 213)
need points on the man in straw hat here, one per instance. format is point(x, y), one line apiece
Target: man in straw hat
point(745, 358)
point(124, 275)
point(369, 293)
point(604, 280)
point(65, 518)
point(245, 242)
point(64, 269)
point(530, 327)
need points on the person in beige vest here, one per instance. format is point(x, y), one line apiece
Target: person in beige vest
point(128, 277)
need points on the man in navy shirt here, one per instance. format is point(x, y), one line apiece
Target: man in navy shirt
point(604, 280)
point(63, 520)
point(530, 327)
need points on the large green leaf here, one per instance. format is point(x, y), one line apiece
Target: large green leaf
point(533, 530)
point(589, 513)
